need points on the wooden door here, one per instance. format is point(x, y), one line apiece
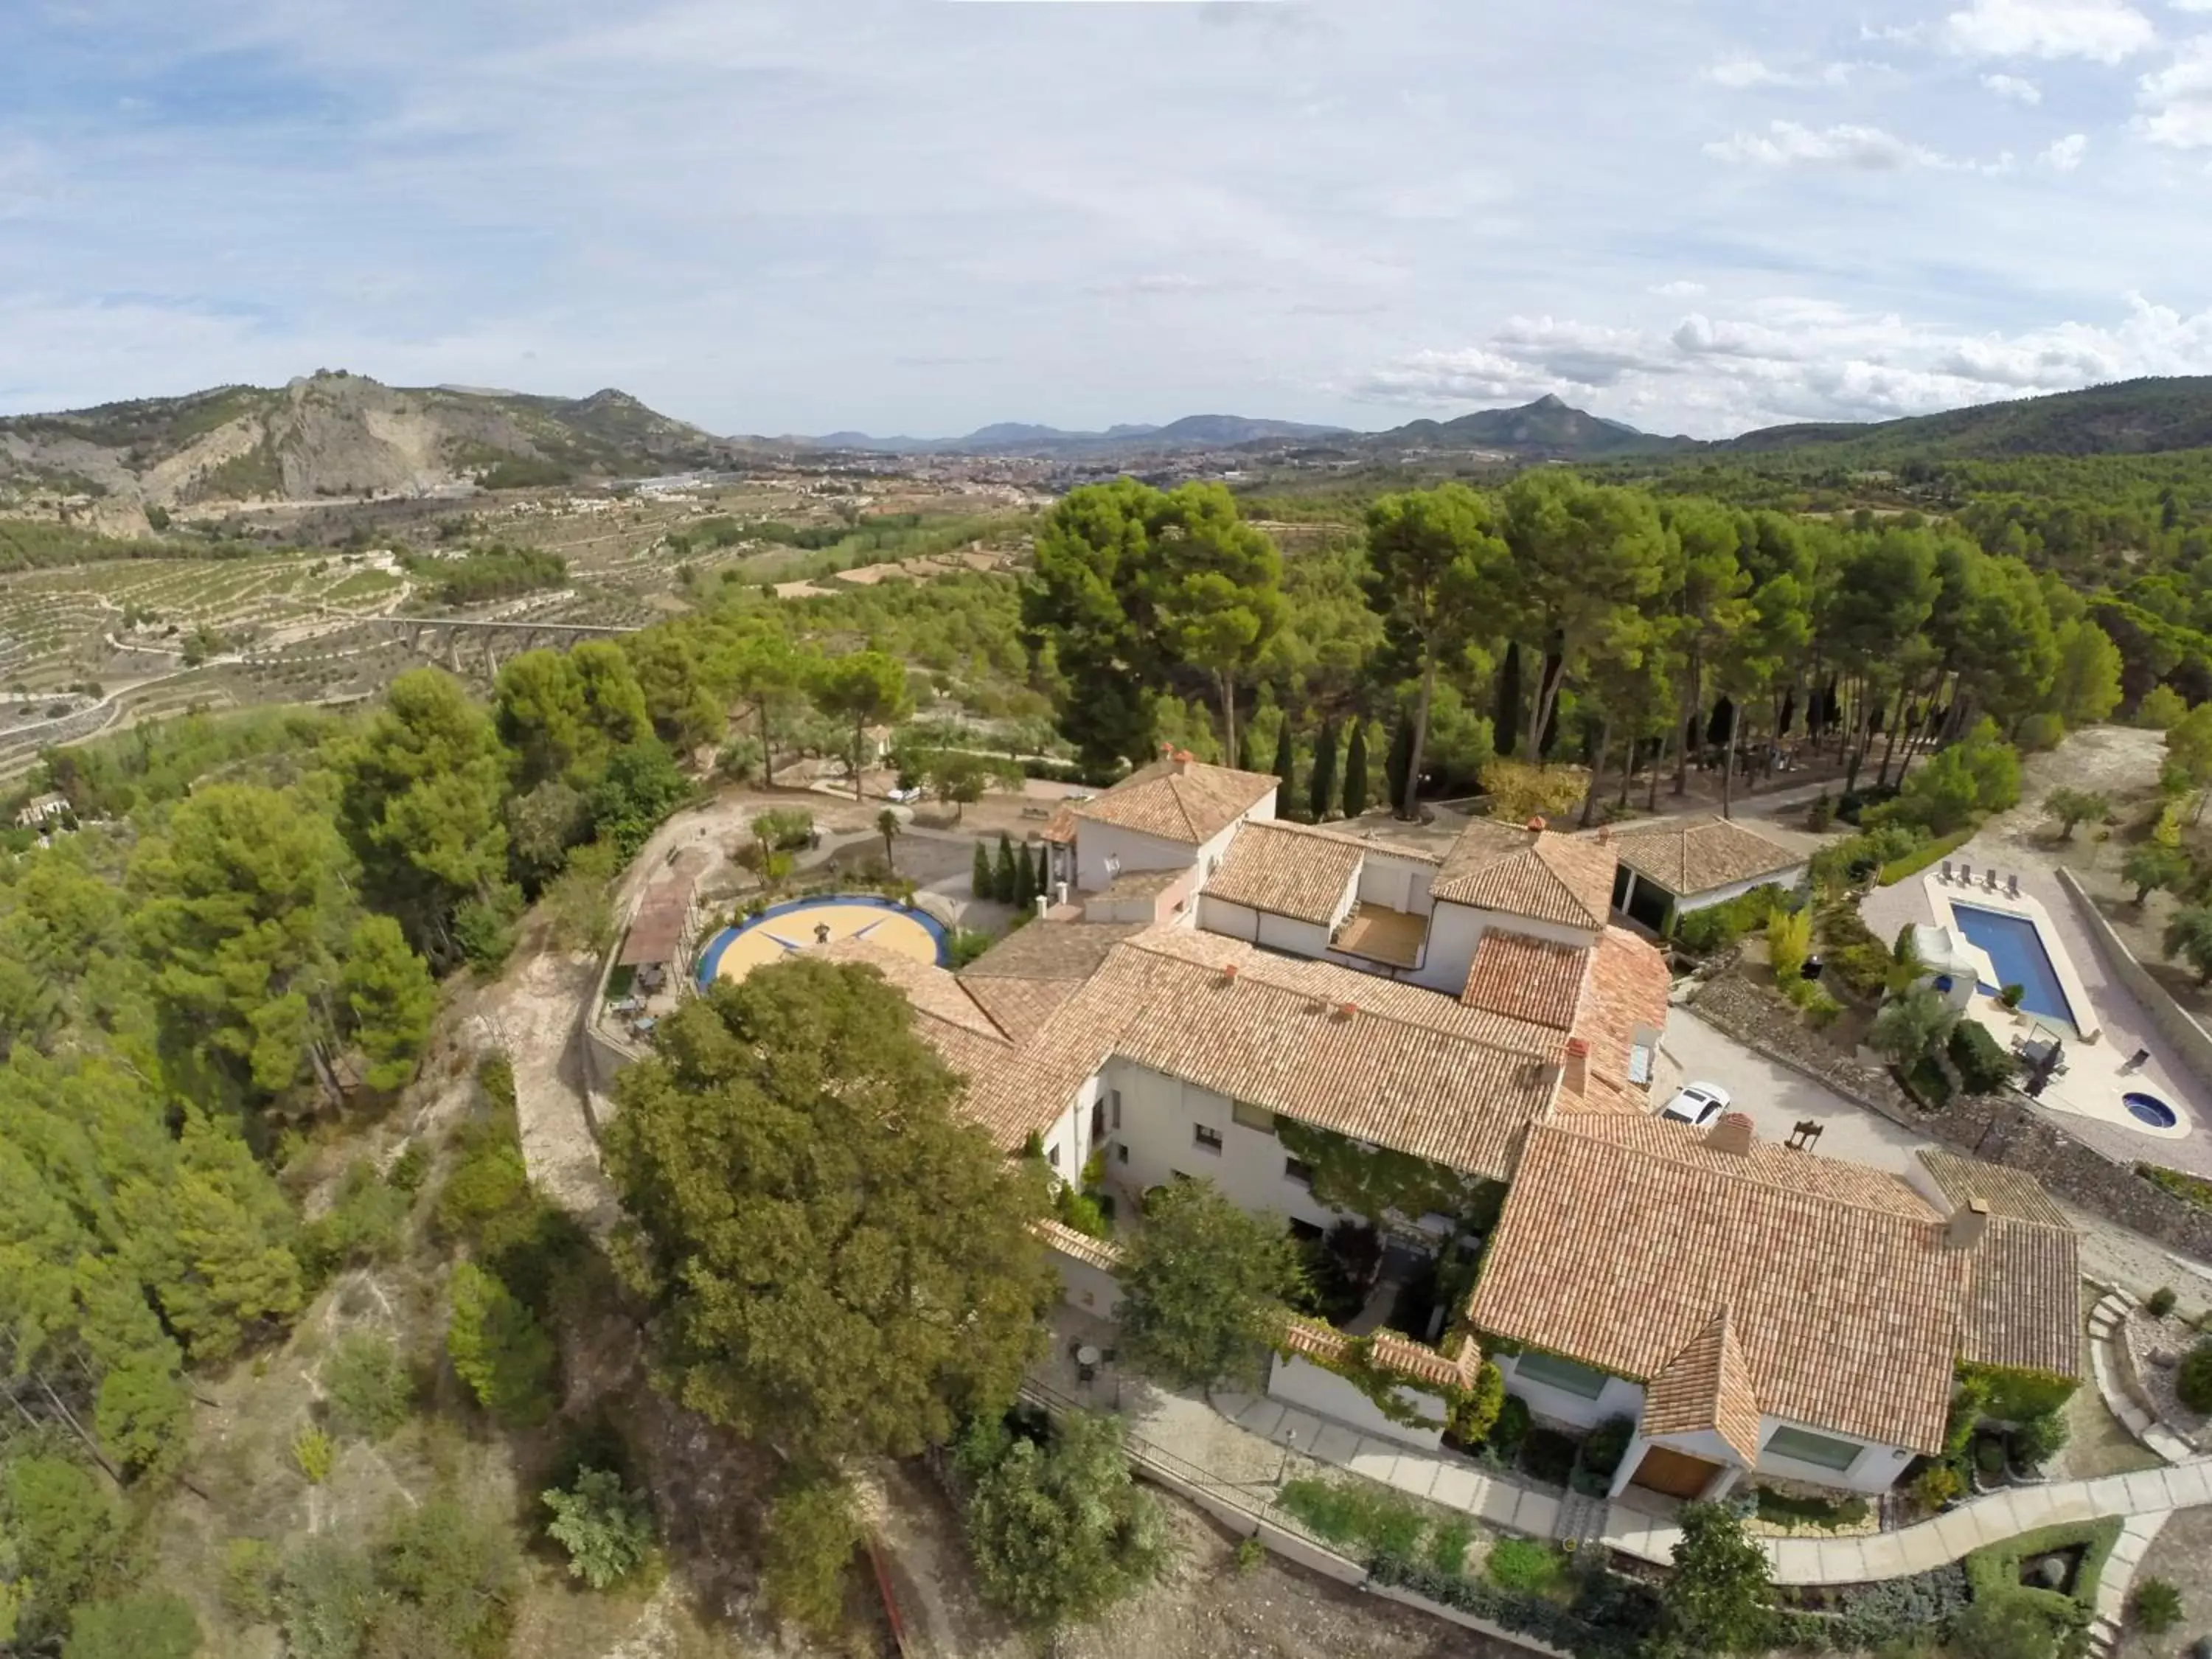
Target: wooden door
point(1678, 1474)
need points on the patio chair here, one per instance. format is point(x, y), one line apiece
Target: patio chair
point(1989, 878)
point(2012, 886)
point(1947, 872)
point(1967, 872)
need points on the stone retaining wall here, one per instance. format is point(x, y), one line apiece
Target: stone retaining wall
point(1995, 1129)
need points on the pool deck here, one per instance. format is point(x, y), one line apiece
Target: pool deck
point(2086, 1101)
point(1943, 901)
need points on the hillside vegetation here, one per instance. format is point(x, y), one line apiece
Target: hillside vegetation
point(335, 434)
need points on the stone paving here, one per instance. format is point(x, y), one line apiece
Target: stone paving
point(1248, 1433)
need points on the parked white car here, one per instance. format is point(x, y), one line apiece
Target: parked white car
point(1698, 1104)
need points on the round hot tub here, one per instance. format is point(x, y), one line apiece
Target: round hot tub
point(2151, 1110)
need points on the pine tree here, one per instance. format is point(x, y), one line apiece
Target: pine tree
point(1355, 771)
point(1026, 886)
point(980, 880)
point(1003, 879)
point(1399, 762)
point(1284, 764)
point(1320, 791)
point(1507, 727)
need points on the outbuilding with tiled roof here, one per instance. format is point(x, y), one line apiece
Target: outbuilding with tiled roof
point(1673, 865)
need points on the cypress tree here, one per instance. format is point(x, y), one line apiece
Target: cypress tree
point(1026, 886)
point(1399, 762)
point(1282, 767)
point(1320, 791)
point(1002, 882)
point(1355, 771)
point(984, 884)
point(1247, 753)
point(1507, 724)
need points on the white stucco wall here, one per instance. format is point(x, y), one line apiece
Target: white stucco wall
point(1398, 883)
point(1455, 930)
point(1620, 1398)
point(1091, 1288)
point(1267, 929)
point(1301, 1383)
point(1067, 1140)
point(1876, 1469)
point(1158, 1114)
point(1096, 843)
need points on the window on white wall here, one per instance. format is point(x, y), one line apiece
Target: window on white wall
point(1122, 1154)
point(1114, 1101)
point(1822, 1450)
point(1254, 1117)
point(1206, 1140)
point(1052, 1155)
point(1564, 1374)
point(1297, 1171)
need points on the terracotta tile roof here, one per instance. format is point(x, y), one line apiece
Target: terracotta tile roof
point(1687, 856)
point(1310, 1338)
point(933, 992)
point(1289, 871)
point(1022, 979)
point(1622, 1236)
point(2024, 1308)
point(2007, 1192)
point(1706, 1388)
point(1187, 802)
point(1543, 876)
point(1408, 1068)
point(1530, 979)
point(1626, 992)
point(1103, 1253)
point(1059, 828)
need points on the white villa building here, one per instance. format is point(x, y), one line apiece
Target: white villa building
point(1212, 977)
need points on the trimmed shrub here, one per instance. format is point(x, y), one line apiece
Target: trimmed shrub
point(2160, 1302)
point(1508, 1433)
point(1983, 1066)
point(2193, 1380)
point(1525, 1564)
point(1602, 1452)
point(2155, 1606)
point(1548, 1455)
point(1892, 1609)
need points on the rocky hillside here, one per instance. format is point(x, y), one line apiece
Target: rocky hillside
point(333, 434)
point(2127, 417)
point(1548, 429)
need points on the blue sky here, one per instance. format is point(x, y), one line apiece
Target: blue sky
point(920, 215)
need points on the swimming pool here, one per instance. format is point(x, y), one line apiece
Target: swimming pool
point(2015, 947)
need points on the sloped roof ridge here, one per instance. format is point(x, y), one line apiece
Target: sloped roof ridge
point(1596, 1127)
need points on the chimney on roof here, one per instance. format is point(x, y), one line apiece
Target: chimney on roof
point(1345, 1009)
point(1229, 972)
point(1967, 1224)
point(1732, 1134)
point(1576, 1073)
point(1604, 833)
point(1536, 825)
point(1182, 759)
point(1167, 751)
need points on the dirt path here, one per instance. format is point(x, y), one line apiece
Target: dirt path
point(532, 1013)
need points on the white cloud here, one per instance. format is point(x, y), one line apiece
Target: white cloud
point(2016, 87)
point(1792, 359)
point(2066, 154)
point(1867, 149)
point(1790, 144)
point(2177, 100)
point(1679, 290)
point(2104, 31)
point(1742, 72)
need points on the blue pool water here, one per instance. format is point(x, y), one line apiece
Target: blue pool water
point(711, 958)
point(2016, 950)
point(2149, 1108)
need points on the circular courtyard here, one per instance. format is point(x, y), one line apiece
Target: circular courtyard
point(797, 925)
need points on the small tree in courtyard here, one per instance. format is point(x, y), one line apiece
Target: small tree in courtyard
point(887, 826)
point(1716, 1600)
point(1910, 1025)
point(1060, 1531)
point(1205, 1288)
